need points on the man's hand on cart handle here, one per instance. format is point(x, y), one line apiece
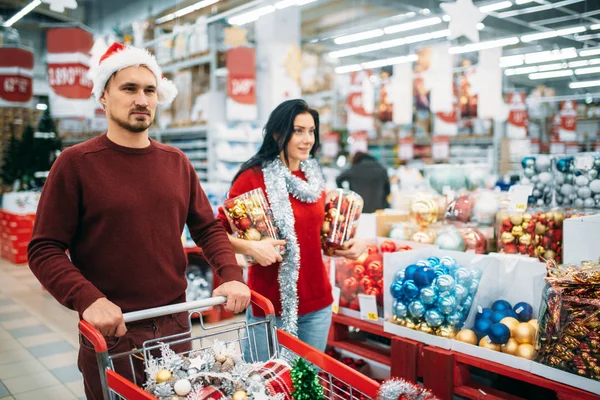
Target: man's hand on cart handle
point(237, 293)
point(106, 317)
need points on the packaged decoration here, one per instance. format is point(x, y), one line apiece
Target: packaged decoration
point(578, 180)
point(425, 210)
point(342, 211)
point(251, 217)
point(537, 171)
point(569, 322)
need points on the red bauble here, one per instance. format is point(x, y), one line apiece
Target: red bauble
point(506, 225)
point(373, 257)
point(375, 269)
point(522, 249)
point(546, 242)
point(359, 271)
point(344, 303)
point(510, 248)
point(229, 204)
point(350, 285)
point(329, 205)
point(245, 223)
point(475, 241)
point(557, 235)
point(261, 226)
point(372, 249)
point(355, 306)
point(345, 206)
point(404, 248)
point(366, 283)
point(460, 209)
point(388, 246)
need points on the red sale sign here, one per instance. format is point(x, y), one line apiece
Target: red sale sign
point(568, 121)
point(241, 84)
point(16, 70)
point(517, 116)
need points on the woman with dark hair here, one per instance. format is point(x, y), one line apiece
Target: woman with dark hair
point(369, 179)
point(296, 283)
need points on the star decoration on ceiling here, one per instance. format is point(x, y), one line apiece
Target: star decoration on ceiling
point(465, 17)
point(60, 5)
point(235, 36)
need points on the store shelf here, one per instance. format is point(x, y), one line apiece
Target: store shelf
point(181, 131)
point(192, 62)
point(239, 140)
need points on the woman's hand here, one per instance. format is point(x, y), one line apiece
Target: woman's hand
point(265, 252)
point(353, 249)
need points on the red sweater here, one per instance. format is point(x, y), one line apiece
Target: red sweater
point(120, 212)
point(314, 288)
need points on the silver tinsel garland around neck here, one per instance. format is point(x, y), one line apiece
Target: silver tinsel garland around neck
point(280, 183)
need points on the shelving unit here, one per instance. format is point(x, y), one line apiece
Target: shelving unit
point(193, 141)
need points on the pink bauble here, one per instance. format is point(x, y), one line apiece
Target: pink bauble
point(475, 241)
point(460, 209)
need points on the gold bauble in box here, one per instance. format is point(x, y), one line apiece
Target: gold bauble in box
point(399, 321)
point(252, 234)
point(524, 333)
point(516, 231)
point(510, 347)
point(516, 219)
point(163, 376)
point(447, 332)
point(410, 324)
point(525, 225)
point(525, 351)
point(486, 342)
point(525, 239)
point(424, 327)
point(559, 218)
point(239, 395)
point(511, 323)
point(425, 237)
point(534, 323)
point(527, 217)
point(540, 228)
point(238, 211)
point(467, 336)
point(507, 238)
point(424, 210)
point(549, 254)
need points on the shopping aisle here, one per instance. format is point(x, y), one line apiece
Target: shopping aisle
point(38, 341)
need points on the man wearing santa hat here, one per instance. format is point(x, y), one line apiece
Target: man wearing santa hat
point(118, 203)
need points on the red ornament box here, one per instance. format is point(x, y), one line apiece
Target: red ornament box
point(15, 234)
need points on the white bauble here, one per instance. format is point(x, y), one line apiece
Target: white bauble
point(566, 189)
point(589, 202)
point(560, 178)
point(542, 163)
point(582, 180)
point(545, 178)
point(578, 203)
point(182, 387)
point(584, 192)
point(595, 185)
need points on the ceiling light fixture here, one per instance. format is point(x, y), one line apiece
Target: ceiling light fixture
point(533, 68)
point(26, 10)
point(519, 2)
point(425, 11)
point(584, 63)
point(412, 25)
point(280, 5)
point(484, 45)
point(495, 7)
point(480, 26)
point(584, 84)
point(376, 64)
point(589, 52)
point(544, 7)
point(553, 33)
point(594, 27)
point(586, 71)
point(551, 74)
point(186, 10)
point(359, 36)
point(251, 16)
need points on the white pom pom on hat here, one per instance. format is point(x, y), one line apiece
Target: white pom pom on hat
point(119, 56)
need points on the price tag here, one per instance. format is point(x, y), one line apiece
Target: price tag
point(440, 148)
point(584, 162)
point(518, 197)
point(336, 299)
point(368, 307)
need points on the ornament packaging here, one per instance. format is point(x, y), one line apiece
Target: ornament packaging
point(578, 180)
point(342, 211)
point(537, 172)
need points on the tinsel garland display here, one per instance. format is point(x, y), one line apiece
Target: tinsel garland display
point(280, 183)
point(399, 389)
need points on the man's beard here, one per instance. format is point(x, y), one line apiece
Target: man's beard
point(137, 127)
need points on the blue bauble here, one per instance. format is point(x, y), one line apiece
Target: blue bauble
point(498, 316)
point(400, 275)
point(434, 261)
point(409, 289)
point(486, 313)
point(511, 313)
point(463, 277)
point(501, 305)
point(473, 286)
point(467, 303)
point(424, 276)
point(434, 318)
point(482, 327)
point(396, 289)
point(461, 293)
point(445, 283)
point(428, 295)
point(475, 273)
point(524, 311)
point(455, 319)
point(400, 309)
point(409, 272)
point(563, 165)
point(447, 304)
point(424, 263)
point(448, 262)
point(416, 309)
point(499, 333)
point(439, 271)
point(528, 162)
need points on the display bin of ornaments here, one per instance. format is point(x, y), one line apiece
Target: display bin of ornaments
point(343, 209)
point(502, 325)
point(429, 293)
point(538, 172)
point(569, 336)
point(365, 275)
point(533, 233)
point(577, 179)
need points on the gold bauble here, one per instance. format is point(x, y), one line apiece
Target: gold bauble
point(399, 321)
point(550, 216)
point(447, 332)
point(534, 323)
point(410, 324)
point(525, 239)
point(253, 234)
point(525, 225)
point(510, 347)
point(239, 395)
point(559, 217)
point(516, 219)
point(540, 228)
point(516, 231)
point(524, 333)
point(527, 217)
point(238, 211)
point(467, 336)
point(549, 255)
point(424, 210)
point(424, 327)
point(487, 343)
point(163, 376)
point(539, 251)
point(512, 324)
point(526, 351)
point(507, 238)
point(425, 237)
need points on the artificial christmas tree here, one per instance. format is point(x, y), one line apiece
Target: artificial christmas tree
point(26, 159)
point(10, 165)
point(47, 146)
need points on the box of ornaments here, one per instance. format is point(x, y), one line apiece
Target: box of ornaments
point(364, 276)
point(429, 293)
point(502, 325)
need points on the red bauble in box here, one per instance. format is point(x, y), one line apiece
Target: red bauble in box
point(359, 271)
point(522, 249)
point(557, 235)
point(245, 223)
point(388, 246)
point(546, 242)
point(510, 248)
point(375, 269)
point(354, 306)
point(229, 204)
point(344, 303)
point(350, 285)
point(372, 249)
point(403, 248)
point(373, 257)
point(366, 283)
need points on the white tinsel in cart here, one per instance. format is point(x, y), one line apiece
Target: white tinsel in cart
point(174, 376)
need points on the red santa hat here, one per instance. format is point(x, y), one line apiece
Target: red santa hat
point(118, 57)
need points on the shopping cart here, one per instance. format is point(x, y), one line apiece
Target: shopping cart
point(338, 380)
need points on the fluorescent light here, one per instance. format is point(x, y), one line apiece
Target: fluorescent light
point(594, 27)
point(533, 68)
point(304, 2)
point(553, 33)
point(26, 10)
point(412, 25)
point(425, 11)
point(512, 61)
point(348, 68)
point(358, 36)
point(484, 45)
point(41, 106)
point(250, 16)
point(585, 71)
point(589, 52)
point(519, 2)
point(577, 64)
point(446, 18)
point(280, 5)
point(480, 26)
point(551, 74)
point(376, 64)
point(186, 10)
point(553, 55)
point(389, 44)
point(584, 84)
point(495, 7)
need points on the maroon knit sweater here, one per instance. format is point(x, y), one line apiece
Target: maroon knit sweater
point(120, 212)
